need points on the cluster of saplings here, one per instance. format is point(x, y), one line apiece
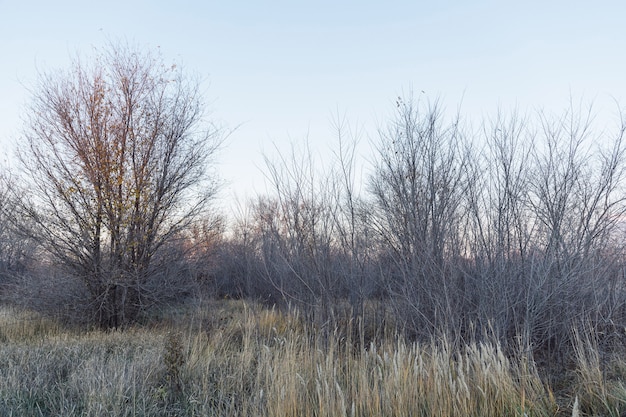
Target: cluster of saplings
point(511, 229)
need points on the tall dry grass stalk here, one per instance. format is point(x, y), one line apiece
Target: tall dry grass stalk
point(599, 393)
point(235, 359)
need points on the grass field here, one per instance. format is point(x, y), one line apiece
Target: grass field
point(231, 358)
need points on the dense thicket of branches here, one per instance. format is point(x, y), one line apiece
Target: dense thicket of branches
point(116, 158)
point(514, 229)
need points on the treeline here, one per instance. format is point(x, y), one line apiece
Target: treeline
point(511, 230)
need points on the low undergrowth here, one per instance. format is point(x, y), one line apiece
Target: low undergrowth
point(231, 358)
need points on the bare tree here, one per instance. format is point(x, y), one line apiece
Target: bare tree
point(355, 247)
point(418, 186)
point(577, 197)
point(543, 227)
point(499, 224)
point(300, 229)
point(117, 154)
point(15, 250)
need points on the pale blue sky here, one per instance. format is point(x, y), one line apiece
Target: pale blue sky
point(280, 69)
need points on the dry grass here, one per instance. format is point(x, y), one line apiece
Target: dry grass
point(236, 359)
